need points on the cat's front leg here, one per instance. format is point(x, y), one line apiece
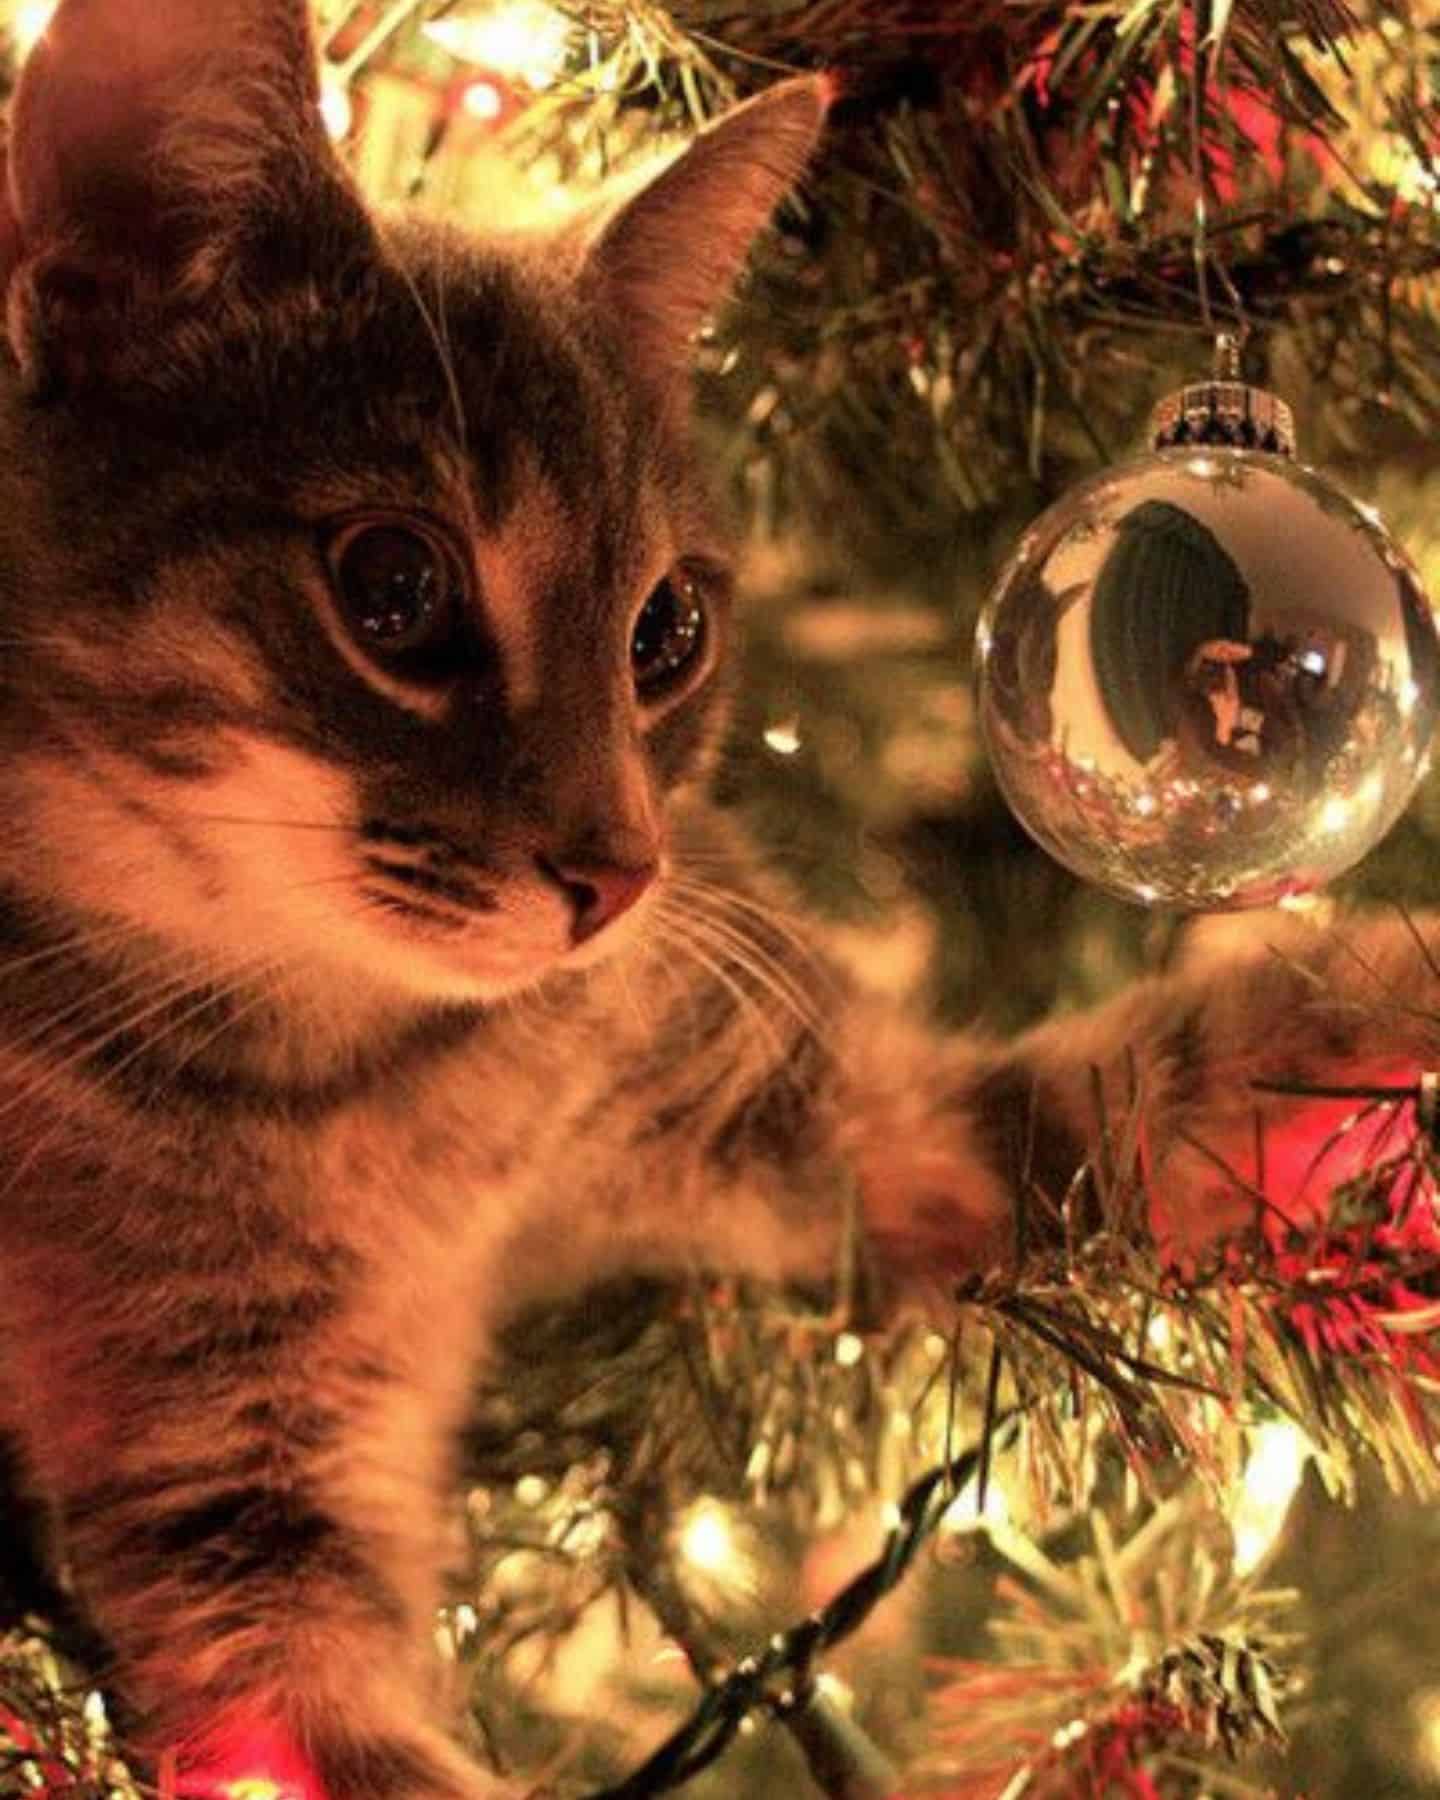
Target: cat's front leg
point(246, 1467)
point(966, 1160)
point(960, 1152)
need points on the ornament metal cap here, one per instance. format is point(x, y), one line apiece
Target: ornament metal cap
point(1224, 411)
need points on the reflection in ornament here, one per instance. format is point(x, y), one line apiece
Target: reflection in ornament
point(1165, 585)
point(1022, 662)
point(1207, 678)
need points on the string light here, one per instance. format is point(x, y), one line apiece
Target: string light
point(31, 21)
point(272, 1767)
point(1396, 164)
point(849, 1349)
point(784, 738)
point(963, 1513)
point(524, 40)
point(1426, 1707)
point(1278, 1453)
point(336, 108)
point(482, 99)
point(707, 1541)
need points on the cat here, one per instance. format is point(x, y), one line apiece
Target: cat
point(374, 965)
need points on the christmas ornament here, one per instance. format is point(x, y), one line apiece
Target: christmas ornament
point(1207, 678)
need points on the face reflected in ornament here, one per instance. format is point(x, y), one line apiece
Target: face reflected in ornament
point(1207, 679)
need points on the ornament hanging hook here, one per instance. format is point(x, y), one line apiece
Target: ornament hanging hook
point(1208, 42)
point(1228, 345)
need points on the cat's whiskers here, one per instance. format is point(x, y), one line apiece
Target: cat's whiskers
point(90, 938)
point(764, 969)
point(769, 929)
point(619, 971)
point(538, 1009)
point(269, 989)
point(278, 824)
point(126, 982)
point(77, 1046)
point(519, 1019)
point(128, 978)
point(258, 967)
point(442, 317)
point(72, 1048)
point(443, 352)
point(57, 1073)
point(735, 952)
point(186, 970)
point(678, 929)
point(774, 919)
point(750, 918)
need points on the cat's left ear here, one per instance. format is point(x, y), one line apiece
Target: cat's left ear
point(672, 252)
point(159, 151)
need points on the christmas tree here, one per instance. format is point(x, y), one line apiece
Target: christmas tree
point(1120, 1527)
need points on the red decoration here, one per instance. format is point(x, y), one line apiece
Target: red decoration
point(247, 1761)
point(54, 1775)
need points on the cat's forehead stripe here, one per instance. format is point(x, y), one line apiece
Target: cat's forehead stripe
point(518, 563)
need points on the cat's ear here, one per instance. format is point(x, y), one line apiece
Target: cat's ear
point(669, 256)
point(157, 149)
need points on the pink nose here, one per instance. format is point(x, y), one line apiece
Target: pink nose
point(599, 892)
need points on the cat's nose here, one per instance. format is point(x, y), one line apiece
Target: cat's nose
point(599, 892)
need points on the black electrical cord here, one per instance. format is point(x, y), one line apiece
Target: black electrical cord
point(779, 1678)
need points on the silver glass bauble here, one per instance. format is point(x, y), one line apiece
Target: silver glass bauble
point(1207, 678)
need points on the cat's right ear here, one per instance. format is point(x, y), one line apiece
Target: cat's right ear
point(163, 155)
point(667, 257)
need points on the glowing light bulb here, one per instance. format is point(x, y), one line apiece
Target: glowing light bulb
point(482, 99)
point(336, 108)
point(266, 1787)
point(523, 40)
point(706, 1540)
point(848, 1349)
point(1278, 1452)
point(835, 1690)
point(1396, 164)
point(784, 738)
point(963, 1512)
point(31, 21)
point(1426, 1707)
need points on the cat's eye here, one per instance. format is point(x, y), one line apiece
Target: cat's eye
point(668, 635)
point(398, 588)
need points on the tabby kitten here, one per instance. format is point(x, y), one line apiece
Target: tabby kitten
point(369, 970)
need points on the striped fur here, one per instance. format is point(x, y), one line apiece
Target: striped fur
point(304, 1087)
